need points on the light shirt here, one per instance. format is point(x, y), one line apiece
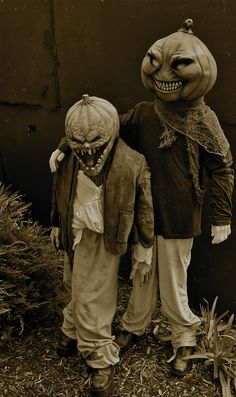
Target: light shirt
point(88, 214)
point(88, 207)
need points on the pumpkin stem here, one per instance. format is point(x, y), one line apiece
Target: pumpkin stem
point(86, 99)
point(186, 28)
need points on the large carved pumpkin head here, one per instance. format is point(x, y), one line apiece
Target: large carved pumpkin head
point(92, 125)
point(179, 67)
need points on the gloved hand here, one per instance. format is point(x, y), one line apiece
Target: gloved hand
point(55, 158)
point(143, 269)
point(55, 237)
point(220, 233)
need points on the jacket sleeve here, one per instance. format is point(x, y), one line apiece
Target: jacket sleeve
point(54, 216)
point(129, 126)
point(221, 175)
point(63, 145)
point(144, 214)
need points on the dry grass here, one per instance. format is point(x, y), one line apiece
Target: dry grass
point(31, 367)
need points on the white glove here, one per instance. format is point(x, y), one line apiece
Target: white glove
point(55, 158)
point(220, 233)
point(143, 269)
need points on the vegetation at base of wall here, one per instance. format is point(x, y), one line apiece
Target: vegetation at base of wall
point(217, 346)
point(30, 272)
point(31, 292)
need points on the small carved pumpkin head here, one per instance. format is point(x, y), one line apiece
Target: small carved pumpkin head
point(179, 67)
point(92, 125)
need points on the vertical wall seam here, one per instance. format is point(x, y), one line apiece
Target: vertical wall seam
point(50, 42)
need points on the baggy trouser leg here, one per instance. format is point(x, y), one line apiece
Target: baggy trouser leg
point(68, 326)
point(94, 294)
point(174, 257)
point(142, 301)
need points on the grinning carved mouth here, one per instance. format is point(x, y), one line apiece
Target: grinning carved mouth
point(168, 86)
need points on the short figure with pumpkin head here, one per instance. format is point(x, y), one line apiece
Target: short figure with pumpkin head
point(101, 201)
point(182, 141)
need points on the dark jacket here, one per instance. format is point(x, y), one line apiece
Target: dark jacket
point(177, 212)
point(128, 208)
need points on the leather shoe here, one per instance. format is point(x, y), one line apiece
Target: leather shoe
point(102, 382)
point(181, 367)
point(66, 346)
point(125, 340)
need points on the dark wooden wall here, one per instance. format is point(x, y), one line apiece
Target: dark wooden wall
point(53, 51)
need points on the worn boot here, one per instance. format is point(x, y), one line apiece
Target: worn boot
point(102, 382)
point(125, 340)
point(66, 346)
point(181, 367)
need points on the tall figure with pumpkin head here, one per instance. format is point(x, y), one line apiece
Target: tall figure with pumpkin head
point(182, 140)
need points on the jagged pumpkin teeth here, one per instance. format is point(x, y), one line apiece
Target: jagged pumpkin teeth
point(187, 70)
point(94, 123)
point(168, 85)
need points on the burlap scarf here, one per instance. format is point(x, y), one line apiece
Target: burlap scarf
point(198, 123)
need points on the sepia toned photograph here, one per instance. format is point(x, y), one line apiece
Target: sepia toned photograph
point(117, 198)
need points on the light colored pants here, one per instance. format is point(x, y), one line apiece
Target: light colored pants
point(142, 301)
point(174, 257)
point(93, 288)
point(89, 314)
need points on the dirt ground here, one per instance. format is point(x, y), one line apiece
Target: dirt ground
point(31, 368)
